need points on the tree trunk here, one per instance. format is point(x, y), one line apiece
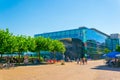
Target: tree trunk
point(19, 57)
point(39, 55)
point(54, 55)
point(1, 55)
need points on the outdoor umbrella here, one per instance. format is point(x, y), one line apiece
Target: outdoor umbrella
point(112, 54)
point(118, 55)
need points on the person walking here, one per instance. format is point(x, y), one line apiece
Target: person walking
point(86, 58)
point(82, 60)
point(77, 60)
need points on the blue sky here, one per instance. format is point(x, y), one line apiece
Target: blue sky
point(29, 17)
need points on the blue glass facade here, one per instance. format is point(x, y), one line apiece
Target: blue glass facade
point(90, 40)
point(95, 41)
point(75, 33)
point(112, 43)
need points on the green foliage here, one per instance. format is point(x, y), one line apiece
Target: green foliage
point(58, 46)
point(47, 44)
point(30, 44)
point(41, 59)
point(5, 41)
point(21, 43)
point(106, 50)
point(40, 43)
point(118, 48)
point(10, 43)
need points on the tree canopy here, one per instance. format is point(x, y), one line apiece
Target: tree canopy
point(10, 43)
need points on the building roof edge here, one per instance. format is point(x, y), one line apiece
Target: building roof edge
point(100, 32)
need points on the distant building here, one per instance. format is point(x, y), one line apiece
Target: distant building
point(80, 40)
point(115, 36)
point(113, 41)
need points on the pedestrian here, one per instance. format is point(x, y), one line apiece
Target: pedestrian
point(86, 58)
point(77, 60)
point(82, 59)
point(26, 59)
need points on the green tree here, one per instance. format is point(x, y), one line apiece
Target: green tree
point(118, 48)
point(61, 47)
point(10, 44)
point(2, 47)
point(106, 50)
point(57, 46)
point(41, 44)
point(5, 41)
point(31, 44)
point(21, 45)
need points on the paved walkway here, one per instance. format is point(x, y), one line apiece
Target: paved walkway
point(94, 70)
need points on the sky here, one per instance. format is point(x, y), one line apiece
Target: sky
point(29, 17)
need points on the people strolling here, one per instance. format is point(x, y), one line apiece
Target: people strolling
point(83, 59)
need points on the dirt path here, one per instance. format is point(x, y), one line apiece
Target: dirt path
point(94, 70)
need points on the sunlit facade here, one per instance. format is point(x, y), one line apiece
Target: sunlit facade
point(113, 41)
point(80, 40)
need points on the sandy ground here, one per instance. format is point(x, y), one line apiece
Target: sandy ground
point(94, 70)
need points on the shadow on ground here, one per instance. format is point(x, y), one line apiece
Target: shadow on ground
point(105, 67)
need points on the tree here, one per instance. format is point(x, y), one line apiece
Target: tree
point(47, 44)
point(31, 44)
point(118, 48)
point(61, 47)
point(41, 44)
point(5, 40)
point(2, 47)
point(106, 50)
point(21, 45)
point(10, 44)
point(57, 46)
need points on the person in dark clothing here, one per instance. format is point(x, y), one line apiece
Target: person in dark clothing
point(82, 60)
point(86, 58)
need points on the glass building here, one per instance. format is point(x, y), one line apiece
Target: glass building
point(78, 41)
point(113, 41)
